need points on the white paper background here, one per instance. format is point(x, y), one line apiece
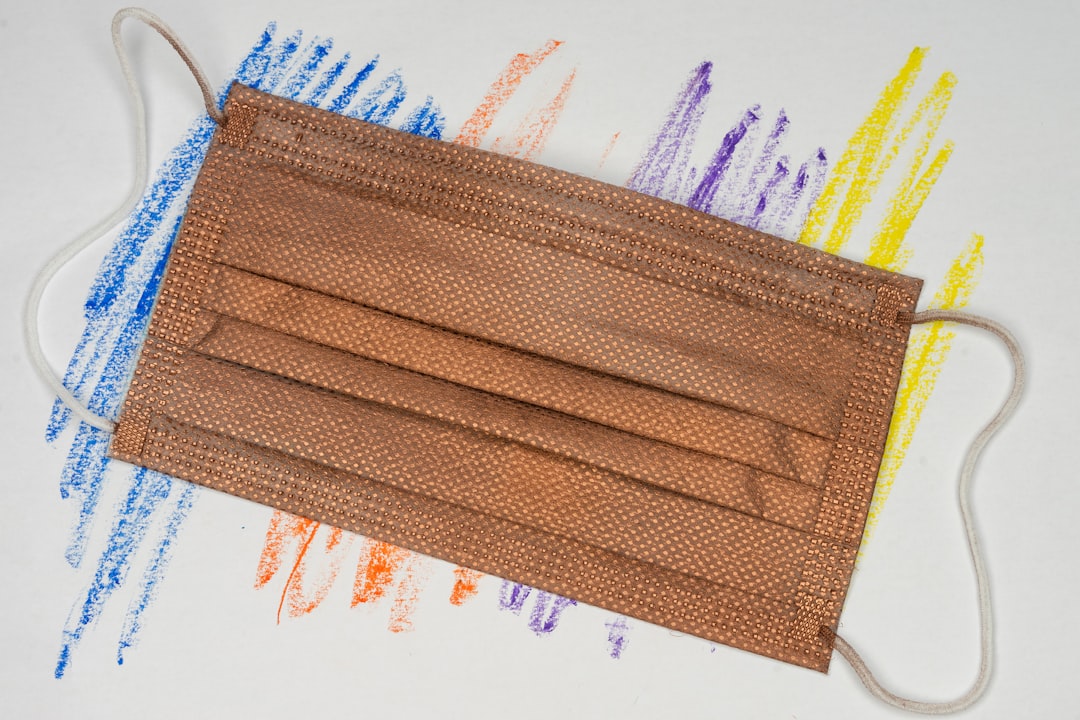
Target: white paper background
point(211, 648)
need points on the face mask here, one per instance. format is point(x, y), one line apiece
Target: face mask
point(543, 377)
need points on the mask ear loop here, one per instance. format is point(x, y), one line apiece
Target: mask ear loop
point(45, 276)
point(986, 621)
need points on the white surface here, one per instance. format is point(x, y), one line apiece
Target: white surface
point(211, 648)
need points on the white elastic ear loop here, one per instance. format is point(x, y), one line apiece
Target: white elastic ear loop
point(986, 620)
point(45, 276)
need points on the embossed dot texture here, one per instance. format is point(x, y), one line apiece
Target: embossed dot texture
point(524, 371)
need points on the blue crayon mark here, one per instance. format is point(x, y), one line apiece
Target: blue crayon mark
point(345, 98)
point(148, 490)
point(279, 61)
point(379, 105)
point(316, 53)
point(111, 338)
point(117, 308)
point(79, 479)
point(426, 120)
point(258, 59)
point(117, 311)
point(155, 570)
point(331, 76)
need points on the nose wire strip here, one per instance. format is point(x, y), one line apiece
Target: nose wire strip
point(982, 582)
point(45, 275)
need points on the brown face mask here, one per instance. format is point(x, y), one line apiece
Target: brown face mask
point(543, 377)
point(536, 375)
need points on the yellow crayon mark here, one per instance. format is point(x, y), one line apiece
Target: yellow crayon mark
point(875, 146)
point(872, 150)
point(851, 184)
point(887, 248)
point(927, 350)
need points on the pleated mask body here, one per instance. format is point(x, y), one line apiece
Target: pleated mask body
point(543, 377)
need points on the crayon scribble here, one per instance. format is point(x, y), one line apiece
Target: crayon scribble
point(116, 312)
point(607, 149)
point(378, 567)
point(148, 491)
point(466, 585)
point(618, 629)
point(533, 130)
point(927, 350)
point(407, 591)
point(155, 569)
point(547, 607)
point(512, 596)
point(747, 178)
point(883, 137)
point(301, 594)
point(474, 129)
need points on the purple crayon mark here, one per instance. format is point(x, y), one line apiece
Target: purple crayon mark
point(809, 181)
point(547, 611)
point(547, 607)
point(753, 201)
point(616, 637)
point(704, 197)
point(662, 171)
point(745, 181)
point(512, 596)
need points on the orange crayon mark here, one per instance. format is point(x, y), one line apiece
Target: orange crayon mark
point(607, 151)
point(506, 84)
point(406, 595)
point(336, 545)
point(296, 574)
point(533, 132)
point(466, 585)
point(384, 560)
point(377, 574)
point(526, 142)
point(283, 528)
point(285, 533)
